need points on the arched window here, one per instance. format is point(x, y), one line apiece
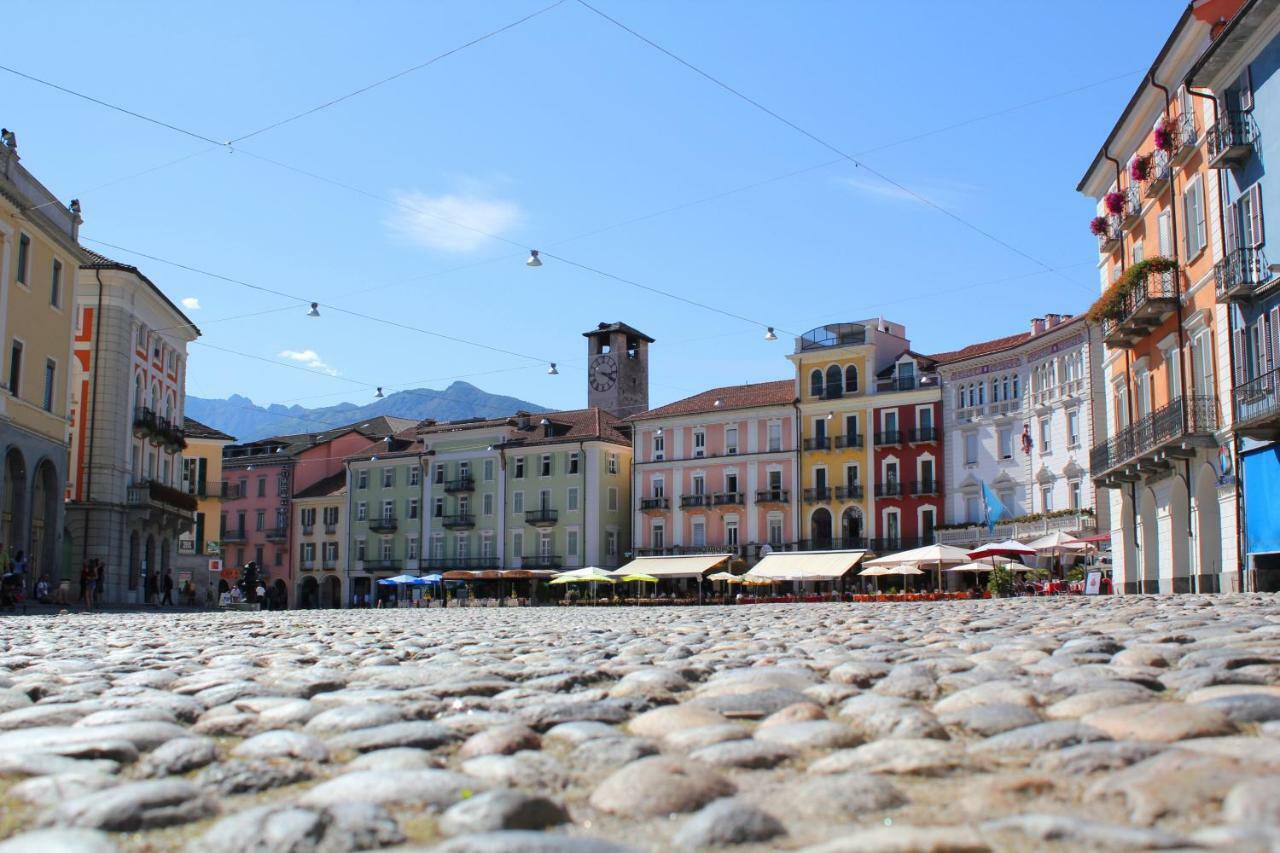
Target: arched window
point(982, 394)
point(995, 391)
point(960, 398)
point(155, 399)
point(851, 379)
point(834, 381)
point(815, 383)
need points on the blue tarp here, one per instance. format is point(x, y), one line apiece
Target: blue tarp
point(1262, 499)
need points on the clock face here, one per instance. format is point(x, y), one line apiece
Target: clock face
point(603, 373)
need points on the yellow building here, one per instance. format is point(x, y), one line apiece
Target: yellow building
point(834, 365)
point(39, 257)
point(202, 477)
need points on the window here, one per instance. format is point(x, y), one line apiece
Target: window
point(699, 443)
point(659, 447)
point(972, 510)
point(659, 487)
point(730, 440)
point(613, 499)
point(414, 474)
point(388, 477)
point(611, 543)
point(411, 548)
point(613, 463)
point(362, 511)
point(438, 474)
point(1073, 489)
point(437, 509)
point(388, 548)
point(571, 500)
point(1073, 429)
point(308, 517)
point(835, 382)
point(928, 520)
point(308, 552)
point(1137, 251)
point(486, 504)
point(889, 420)
point(544, 466)
point(1006, 443)
point(731, 532)
point(698, 530)
point(517, 501)
point(775, 480)
point(544, 499)
point(1044, 435)
point(362, 479)
point(892, 529)
point(262, 487)
point(698, 484)
point(411, 508)
point(486, 546)
point(331, 516)
point(924, 420)
point(815, 383)
point(24, 257)
point(55, 286)
point(50, 376)
point(775, 530)
point(891, 474)
point(775, 436)
point(1165, 230)
point(15, 368)
point(517, 543)
point(331, 552)
point(464, 505)
point(971, 448)
point(851, 379)
point(573, 463)
point(1193, 212)
point(546, 544)
point(571, 543)
point(260, 519)
point(906, 375)
point(1046, 499)
point(1172, 373)
point(731, 483)
point(519, 469)
point(462, 545)
point(926, 473)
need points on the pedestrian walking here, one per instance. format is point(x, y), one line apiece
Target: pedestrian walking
point(87, 580)
point(167, 585)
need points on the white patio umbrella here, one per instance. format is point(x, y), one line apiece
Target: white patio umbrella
point(932, 556)
point(590, 573)
point(1055, 543)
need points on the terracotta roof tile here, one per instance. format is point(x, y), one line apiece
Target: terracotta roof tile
point(195, 429)
point(1000, 344)
point(778, 393)
point(331, 485)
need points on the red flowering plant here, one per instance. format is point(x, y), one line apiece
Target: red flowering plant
point(1114, 202)
point(1163, 136)
point(1140, 168)
point(1098, 226)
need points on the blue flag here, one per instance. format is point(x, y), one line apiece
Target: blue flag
point(994, 507)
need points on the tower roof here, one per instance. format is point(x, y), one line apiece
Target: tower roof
point(618, 326)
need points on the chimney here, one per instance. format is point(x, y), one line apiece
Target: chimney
point(1037, 326)
point(1053, 320)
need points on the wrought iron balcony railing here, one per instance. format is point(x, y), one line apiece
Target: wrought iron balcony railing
point(850, 492)
point(1231, 141)
point(822, 443)
point(695, 500)
point(890, 489)
point(773, 496)
point(728, 499)
point(384, 523)
point(461, 484)
point(843, 441)
point(1141, 441)
point(821, 493)
point(1143, 309)
point(459, 520)
point(541, 517)
point(892, 436)
point(1239, 275)
point(1257, 406)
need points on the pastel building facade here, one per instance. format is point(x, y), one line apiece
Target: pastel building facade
point(908, 454)
point(128, 504)
point(202, 479)
point(1018, 415)
point(319, 534)
point(1167, 363)
point(385, 513)
point(1240, 69)
point(38, 259)
point(717, 472)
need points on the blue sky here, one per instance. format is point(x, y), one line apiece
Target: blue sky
point(560, 127)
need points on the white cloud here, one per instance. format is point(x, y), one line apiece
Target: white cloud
point(308, 358)
point(451, 223)
point(191, 303)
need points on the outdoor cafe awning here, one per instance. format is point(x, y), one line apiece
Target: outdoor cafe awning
point(688, 566)
point(806, 565)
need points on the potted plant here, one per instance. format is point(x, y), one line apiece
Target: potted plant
point(1140, 168)
point(1098, 226)
point(1114, 202)
point(1163, 136)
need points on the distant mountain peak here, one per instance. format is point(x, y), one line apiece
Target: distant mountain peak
point(239, 416)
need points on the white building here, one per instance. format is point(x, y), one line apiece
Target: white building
point(1018, 415)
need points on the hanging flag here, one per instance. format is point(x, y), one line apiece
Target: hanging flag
point(994, 507)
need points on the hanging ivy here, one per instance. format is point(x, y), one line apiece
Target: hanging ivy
point(1111, 305)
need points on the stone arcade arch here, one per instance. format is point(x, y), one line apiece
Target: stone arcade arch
point(1208, 531)
point(820, 527)
point(1179, 536)
point(1150, 533)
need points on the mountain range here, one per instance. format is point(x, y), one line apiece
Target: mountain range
point(247, 421)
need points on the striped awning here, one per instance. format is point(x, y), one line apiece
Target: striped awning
point(688, 566)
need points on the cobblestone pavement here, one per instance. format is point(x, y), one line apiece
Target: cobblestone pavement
point(1116, 723)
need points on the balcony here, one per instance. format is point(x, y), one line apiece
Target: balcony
point(1184, 139)
point(237, 535)
point(1109, 239)
point(818, 495)
point(891, 489)
point(822, 443)
point(276, 534)
point(893, 436)
point(308, 529)
point(1131, 215)
point(728, 499)
point(650, 504)
point(459, 521)
point(686, 550)
point(925, 487)
point(1076, 523)
point(165, 504)
point(330, 529)
point(694, 501)
point(853, 492)
point(891, 544)
point(466, 563)
point(544, 517)
point(461, 484)
point(899, 383)
point(385, 523)
point(307, 565)
point(845, 543)
point(1161, 171)
point(849, 441)
point(1257, 407)
point(145, 422)
point(1231, 140)
point(382, 565)
point(1143, 309)
point(922, 436)
point(1153, 443)
point(542, 561)
point(328, 563)
point(833, 335)
point(1240, 275)
point(773, 496)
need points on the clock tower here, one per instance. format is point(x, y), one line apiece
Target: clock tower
point(618, 369)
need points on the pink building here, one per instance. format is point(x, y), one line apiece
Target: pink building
point(716, 472)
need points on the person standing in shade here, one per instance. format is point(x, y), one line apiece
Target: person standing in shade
point(86, 584)
point(166, 584)
point(151, 593)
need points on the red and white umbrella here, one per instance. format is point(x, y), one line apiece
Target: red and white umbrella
point(1007, 548)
